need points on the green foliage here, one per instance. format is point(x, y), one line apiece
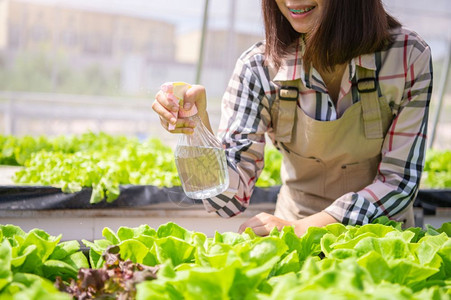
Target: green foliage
point(373, 261)
point(437, 169)
point(29, 262)
point(103, 162)
point(100, 161)
point(270, 175)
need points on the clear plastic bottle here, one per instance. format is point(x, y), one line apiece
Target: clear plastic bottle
point(199, 157)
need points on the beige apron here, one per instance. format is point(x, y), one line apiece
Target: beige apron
point(323, 160)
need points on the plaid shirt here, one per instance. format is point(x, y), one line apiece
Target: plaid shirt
point(404, 72)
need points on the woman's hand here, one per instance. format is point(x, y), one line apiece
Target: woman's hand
point(263, 223)
point(166, 106)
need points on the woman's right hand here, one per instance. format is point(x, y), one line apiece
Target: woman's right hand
point(167, 107)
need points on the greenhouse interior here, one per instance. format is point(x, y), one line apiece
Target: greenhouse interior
point(94, 202)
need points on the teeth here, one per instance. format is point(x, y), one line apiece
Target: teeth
point(301, 11)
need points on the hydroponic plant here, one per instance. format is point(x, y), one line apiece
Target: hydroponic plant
point(373, 261)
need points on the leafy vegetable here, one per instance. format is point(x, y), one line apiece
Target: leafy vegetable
point(37, 252)
point(270, 175)
point(115, 280)
point(29, 262)
point(437, 169)
point(334, 261)
point(98, 161)
point(31, 286)
point(373, 261)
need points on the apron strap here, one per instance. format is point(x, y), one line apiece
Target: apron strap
point(367, 88)
point(287, 97)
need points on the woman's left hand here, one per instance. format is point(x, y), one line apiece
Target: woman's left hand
point(263, 223)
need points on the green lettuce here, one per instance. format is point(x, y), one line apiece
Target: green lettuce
point(30, 261)
point(373, 261)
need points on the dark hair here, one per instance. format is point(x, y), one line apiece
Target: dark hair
point(346, 29)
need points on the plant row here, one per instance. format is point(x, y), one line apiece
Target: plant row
point(373, 261)
point(102, 162)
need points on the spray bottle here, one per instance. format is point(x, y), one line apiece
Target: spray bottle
point(199, 157)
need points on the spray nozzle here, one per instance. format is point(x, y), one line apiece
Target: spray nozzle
point(175, 92)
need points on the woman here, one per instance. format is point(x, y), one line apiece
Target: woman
point(343, 91)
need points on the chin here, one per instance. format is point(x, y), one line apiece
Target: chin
point(301, 29)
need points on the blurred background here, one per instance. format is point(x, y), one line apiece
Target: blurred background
point(71, 66)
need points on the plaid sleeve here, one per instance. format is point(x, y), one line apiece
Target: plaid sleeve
point(403, 151)
point(244, 121)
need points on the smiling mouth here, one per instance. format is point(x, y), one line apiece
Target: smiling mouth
point(301, 11)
